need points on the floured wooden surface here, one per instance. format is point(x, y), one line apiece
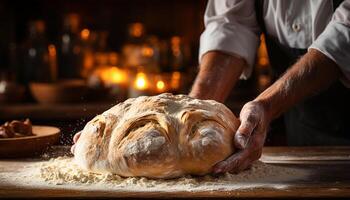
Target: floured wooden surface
point(64, 173)
point(62, 178)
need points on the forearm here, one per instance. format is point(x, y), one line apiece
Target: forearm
point(311, 74)
point(217, 76)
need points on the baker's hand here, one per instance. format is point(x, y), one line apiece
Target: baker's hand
point(75, 140)
point(249, 139)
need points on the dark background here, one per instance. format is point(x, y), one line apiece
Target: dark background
point(163, 18)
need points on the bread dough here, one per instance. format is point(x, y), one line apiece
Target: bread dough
point(162, 136)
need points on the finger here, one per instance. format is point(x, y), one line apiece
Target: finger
point(232, 162)
point(242, 159)
point(243, 132)
point(241, 138)
point(76, 137)
point(246, 164)
point(249, 118)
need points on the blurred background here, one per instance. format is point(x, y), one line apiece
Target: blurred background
point(63, 62)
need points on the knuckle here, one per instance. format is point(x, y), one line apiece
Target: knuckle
point(246, 128)
point(240, 136)
point(251, 118)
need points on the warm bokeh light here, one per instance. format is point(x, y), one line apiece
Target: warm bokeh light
point(114, 75)
point(113, 58)
point(141, 81)
point(88, 63)
point(85, 33)
point(137, 29)
point(52, 50)
point(175, 40)
point(160, 86)
point(175, 45)
point(147, 51)
point(39, 25)
point(175, 80)
point(52, 61)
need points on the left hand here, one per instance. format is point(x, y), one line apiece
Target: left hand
point(75, 140)
point(249, 139)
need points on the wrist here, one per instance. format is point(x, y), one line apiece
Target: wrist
point(266, 108)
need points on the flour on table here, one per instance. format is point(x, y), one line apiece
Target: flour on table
point(63, 171)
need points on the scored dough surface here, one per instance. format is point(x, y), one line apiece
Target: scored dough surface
point(162, 136)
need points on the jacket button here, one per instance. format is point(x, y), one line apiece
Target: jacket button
point(296, 27)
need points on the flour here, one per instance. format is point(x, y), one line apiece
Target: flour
point(145, 145)
point(63, 171)
point(62, 174)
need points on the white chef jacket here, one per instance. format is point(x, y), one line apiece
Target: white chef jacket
point(231, 27)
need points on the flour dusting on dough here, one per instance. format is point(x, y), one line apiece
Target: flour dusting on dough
point(145, 145)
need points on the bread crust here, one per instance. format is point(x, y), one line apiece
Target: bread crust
point(162, 136)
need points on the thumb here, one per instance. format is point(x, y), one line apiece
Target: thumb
point(244, 132)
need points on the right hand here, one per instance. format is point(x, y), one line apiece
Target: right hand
point(249, 139)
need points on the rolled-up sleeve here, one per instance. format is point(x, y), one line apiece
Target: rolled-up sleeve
point(334, 41)
point(231, 27)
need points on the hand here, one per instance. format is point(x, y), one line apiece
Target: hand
point(75, 140)
point(249, 139)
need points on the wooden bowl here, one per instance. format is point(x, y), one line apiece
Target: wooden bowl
point(42, 138)
point(70, 91)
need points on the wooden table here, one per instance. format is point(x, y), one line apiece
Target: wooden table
point(329, 177)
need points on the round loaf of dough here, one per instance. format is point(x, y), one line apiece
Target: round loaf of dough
point(162, 136)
